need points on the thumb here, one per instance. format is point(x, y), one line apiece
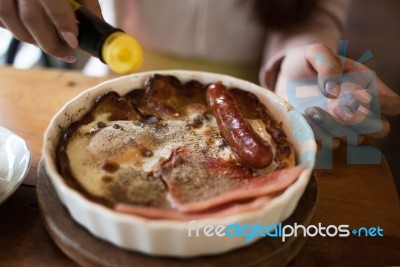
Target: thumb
point(328, 68)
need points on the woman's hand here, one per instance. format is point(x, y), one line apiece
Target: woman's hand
point(355, 101)
point(49, 24)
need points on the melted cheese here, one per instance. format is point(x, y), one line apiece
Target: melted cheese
point(125, 144)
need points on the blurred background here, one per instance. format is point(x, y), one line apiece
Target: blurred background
point(372, 25)
point(375, 25)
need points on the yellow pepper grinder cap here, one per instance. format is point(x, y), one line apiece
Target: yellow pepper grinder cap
point(122, 53)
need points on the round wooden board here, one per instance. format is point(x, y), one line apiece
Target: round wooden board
point(87, 250)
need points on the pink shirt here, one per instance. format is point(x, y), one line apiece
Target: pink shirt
point(224, 31)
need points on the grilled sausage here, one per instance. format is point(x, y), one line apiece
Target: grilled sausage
point(244, 141)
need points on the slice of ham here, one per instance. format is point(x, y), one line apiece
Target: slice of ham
point(219, 183)
point(221, 211)
point(254, 187)
point(218, 188)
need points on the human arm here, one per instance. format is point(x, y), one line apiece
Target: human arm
point(310, 53)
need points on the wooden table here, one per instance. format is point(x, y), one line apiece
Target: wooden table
point(357, 195)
